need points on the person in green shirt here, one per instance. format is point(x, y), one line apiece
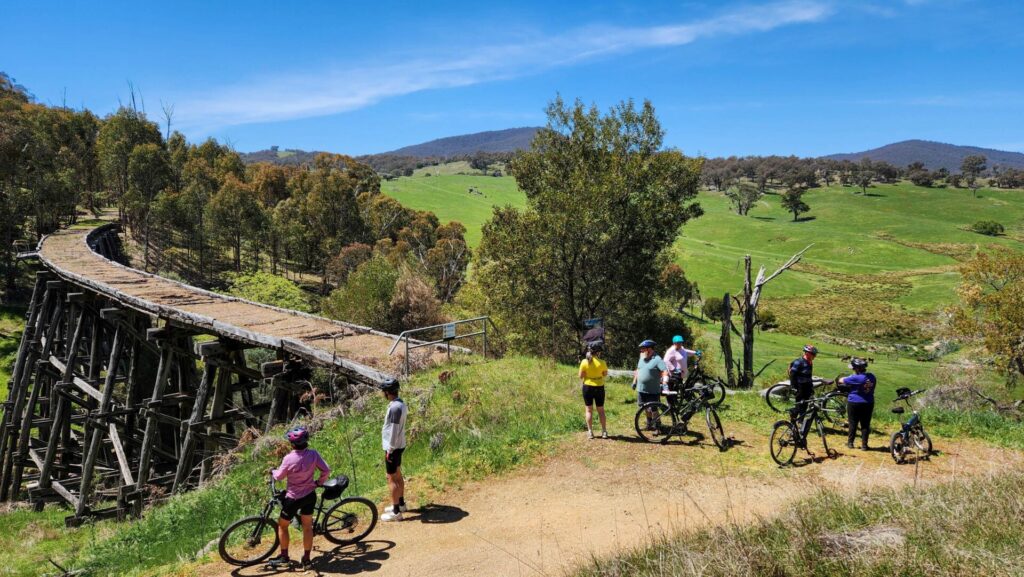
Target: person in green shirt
point(593, 370)
point(650, 370)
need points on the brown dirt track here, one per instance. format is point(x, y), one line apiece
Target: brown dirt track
point(593, 498)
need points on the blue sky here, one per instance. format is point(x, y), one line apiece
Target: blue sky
point(803, 77)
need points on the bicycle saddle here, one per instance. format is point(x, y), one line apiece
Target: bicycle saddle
point(898, 410)
point(333, 488)
point(902, 393)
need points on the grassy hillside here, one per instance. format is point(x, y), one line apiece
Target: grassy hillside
point(448, 196)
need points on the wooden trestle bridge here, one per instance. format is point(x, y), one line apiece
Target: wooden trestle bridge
point(127, 384)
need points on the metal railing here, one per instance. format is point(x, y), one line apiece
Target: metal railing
point(449, 334)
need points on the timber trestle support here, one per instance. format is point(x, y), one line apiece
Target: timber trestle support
point(111, 408)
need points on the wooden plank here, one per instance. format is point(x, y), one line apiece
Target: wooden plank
point(122, 459)
point(78, 382)
point(64, 492)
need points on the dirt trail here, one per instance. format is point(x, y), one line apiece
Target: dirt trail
point(592, 498)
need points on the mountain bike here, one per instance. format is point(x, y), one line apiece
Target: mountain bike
point(781, 398)
point(787, 435)
point(912, 433)
point(253, 539)
point(657, 422)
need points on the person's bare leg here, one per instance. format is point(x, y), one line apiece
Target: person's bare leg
point(282, 534)
point(600, 416)
point(590, 420)
point(398, 493)
point(307, 535)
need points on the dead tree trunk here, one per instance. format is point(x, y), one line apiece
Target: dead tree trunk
point(726, 340)
point(751, 298)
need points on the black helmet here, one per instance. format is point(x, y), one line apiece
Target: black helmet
point(811, 349)
point(390, 385)
point(858, 364)
point(595, 347)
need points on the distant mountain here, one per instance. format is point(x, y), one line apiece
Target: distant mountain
point(508, 140)
point(934, 155)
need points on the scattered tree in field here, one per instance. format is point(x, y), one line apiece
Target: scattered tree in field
point(992, 307)
point(792, 201)
point(971, 168)
point(919, 175)
point(743, 196)
point(712, 308)
point(988, 227)
point(864, 175)
point(604, 203)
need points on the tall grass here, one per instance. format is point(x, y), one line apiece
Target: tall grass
point(962, 528)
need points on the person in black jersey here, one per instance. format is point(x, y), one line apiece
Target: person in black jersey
point(801, 378)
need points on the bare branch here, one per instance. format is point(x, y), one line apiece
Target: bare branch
point(792, 261)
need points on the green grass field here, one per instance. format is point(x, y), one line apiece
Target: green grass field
point(449, 198)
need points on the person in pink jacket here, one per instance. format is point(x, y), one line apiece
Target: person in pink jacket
point(298, 468)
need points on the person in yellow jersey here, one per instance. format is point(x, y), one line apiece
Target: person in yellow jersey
point(593, 370)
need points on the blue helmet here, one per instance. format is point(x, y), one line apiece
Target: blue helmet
point(677, 339)
point(648, 344)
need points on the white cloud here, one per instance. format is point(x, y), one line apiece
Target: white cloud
point(318, 93)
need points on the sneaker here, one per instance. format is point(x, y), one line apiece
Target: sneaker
point(280, 561)
point(403, 508)
point(849, 445)
point(864, 448)
point(590, 434)
point(307, 563)
point(604, 434)
point(391, 516)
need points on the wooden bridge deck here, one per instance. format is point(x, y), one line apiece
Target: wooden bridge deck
point(356, 350)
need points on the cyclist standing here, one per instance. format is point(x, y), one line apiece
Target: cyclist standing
point(650, 370)
point(676, 357)
point(860, 401)
point(593, 370)
point(801, 378)
point(393, 439)
point(298, 467)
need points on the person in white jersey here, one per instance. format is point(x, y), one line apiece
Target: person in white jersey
point(393, 440)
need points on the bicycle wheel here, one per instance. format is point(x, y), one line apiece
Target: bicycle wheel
point(350, 520)
point(783, 442)
point(715, 426)
point(248, 541)
point(780, 397)
point(921, 441)
point(654, 422)
point(717, 391)
point(898, 447)
point(835, 411)
point(831, 454)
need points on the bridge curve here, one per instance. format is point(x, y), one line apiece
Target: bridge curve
point(75, 255)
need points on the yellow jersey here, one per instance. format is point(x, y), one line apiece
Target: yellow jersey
point(594, 371)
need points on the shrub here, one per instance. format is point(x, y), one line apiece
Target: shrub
point(269, 289)
point(713, 308)
point(988, 227)
point(365, 298)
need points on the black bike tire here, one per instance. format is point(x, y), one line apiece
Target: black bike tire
point(347, 501)
point(777, 406)
point(780, 428)
point(898, 455)
point(641, 417)
point(222, 544)
point(927, 450)
point(715, 424)
point(718, 390)
point(824, 437)
point(836, 411)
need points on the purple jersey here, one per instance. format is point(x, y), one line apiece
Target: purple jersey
point(298, 467)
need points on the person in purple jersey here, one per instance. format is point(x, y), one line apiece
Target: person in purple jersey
point(860, 402)
point(298, 468)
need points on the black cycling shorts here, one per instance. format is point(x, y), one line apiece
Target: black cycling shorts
point(593, 395)
point(392, 464)
point(302, 506)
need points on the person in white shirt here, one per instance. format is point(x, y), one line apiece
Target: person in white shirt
point(393, 440)
point(675, 358)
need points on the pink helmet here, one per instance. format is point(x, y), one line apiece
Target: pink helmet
point(298, 437)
